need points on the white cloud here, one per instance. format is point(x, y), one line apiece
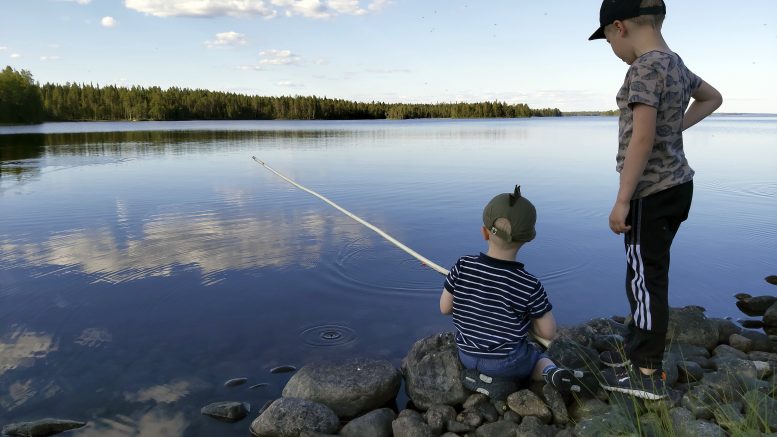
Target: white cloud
point(80, 2)
point(250, 67)
point(224, 39)
point(290, 84)
point(15, 56)
point(278, 57)
point(108, 22)
point(50, 58)
point(317, 9)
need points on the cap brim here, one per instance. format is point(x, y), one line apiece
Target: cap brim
point(599, 34)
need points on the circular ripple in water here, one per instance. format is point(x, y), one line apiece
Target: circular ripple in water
point(328, 335)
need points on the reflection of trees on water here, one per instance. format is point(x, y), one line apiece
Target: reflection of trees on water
point(21, 154)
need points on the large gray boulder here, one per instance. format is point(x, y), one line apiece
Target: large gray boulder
point(432, 372)
point(376, 423)
point(349, 388)
point(41, 428)
point(770, 316)
point(690, 325)
point(288, 417)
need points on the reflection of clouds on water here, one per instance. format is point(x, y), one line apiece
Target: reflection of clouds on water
point(21, 348)
point(202, 239)
point(165, 393)
point(94, 337)
point(152, 423)
point(20, 392)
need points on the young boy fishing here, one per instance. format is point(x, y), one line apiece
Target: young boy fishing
point(656, 182)
point(495, 303)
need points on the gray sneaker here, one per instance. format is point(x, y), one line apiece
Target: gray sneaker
point(635, 383)
point(494, 387)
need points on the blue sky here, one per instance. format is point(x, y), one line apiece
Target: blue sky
point(533, 52)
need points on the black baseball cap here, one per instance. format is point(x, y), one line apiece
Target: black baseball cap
point(621, 10)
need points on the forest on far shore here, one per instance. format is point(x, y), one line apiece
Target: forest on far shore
point(22, 100)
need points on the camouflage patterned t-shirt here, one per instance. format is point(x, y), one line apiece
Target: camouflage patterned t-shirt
point(662, 81)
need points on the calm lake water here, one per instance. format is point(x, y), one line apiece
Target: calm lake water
point(144, 264)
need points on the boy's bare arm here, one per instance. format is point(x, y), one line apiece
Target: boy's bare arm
point(446, 302)
point(640, 146)
point(706, 100)
point(545, 326)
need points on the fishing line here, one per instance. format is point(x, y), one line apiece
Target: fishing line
point(392, 240)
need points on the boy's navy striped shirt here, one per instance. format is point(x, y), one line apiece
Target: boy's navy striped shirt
point(494, 302)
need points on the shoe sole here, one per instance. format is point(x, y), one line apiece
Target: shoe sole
point(642, 394)
point(616, 365)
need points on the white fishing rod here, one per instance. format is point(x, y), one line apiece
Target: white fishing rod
point(426, 261)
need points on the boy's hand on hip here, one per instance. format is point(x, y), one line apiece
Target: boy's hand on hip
point(618, 217)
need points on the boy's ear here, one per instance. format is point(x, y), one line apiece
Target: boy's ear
point(486, 234)
point(619, 27)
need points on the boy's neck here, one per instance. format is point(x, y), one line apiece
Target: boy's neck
point(503, 254)
point(648, 40)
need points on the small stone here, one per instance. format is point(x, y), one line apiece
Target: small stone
point(742, 296)
point(725, 329)
point(690, 371)
point(533, 427)
point(772, 279)
point(439, 415)
point(234, 382)
point(741, 343)
point(725, 350)
point(283, 369)
point(497, 429)
point(512, 416)
point(411, 413)
point(376, 423)
point(487, 411)
point(586, 408)
point(558, 407)
point(41, 428)
point(607, 424)
point(410, 427)
point(751, 324)
point(501, 406)
point(450, 434)
point(474, 399)
point(260, 385)
point(527, 403)
point(458, 427)
point(227, 411)
point(770, 316)
point(469, 417)
point(700, 401)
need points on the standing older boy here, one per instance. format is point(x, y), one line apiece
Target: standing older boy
point(495, 303)
point(656, 182)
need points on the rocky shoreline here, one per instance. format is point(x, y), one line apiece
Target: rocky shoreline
point(723, 381)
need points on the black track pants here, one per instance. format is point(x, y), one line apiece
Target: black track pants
point(654, 221)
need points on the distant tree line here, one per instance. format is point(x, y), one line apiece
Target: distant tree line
point(20, 97)
point(24, 101)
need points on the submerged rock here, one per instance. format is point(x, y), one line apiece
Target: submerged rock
point(283, 369)
point(227, 411)
point(432, 372)
point(349, 388)
point(771, 279)
point(756, 306)
point(288, 417)
point(41, 428)
point(234, 382)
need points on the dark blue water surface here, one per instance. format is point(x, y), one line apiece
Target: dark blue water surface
point(144, 264)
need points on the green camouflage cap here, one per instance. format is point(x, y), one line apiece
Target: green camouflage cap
point(518, 210)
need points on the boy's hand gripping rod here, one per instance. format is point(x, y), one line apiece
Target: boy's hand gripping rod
point(392, 240)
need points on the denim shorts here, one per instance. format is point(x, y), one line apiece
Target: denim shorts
point(518, 364)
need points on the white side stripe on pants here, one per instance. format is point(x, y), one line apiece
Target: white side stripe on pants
point(642, 317)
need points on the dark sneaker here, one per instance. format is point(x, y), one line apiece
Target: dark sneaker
point(564, 380)
point(635, 383)
point(492, 386)
point(613, 359)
